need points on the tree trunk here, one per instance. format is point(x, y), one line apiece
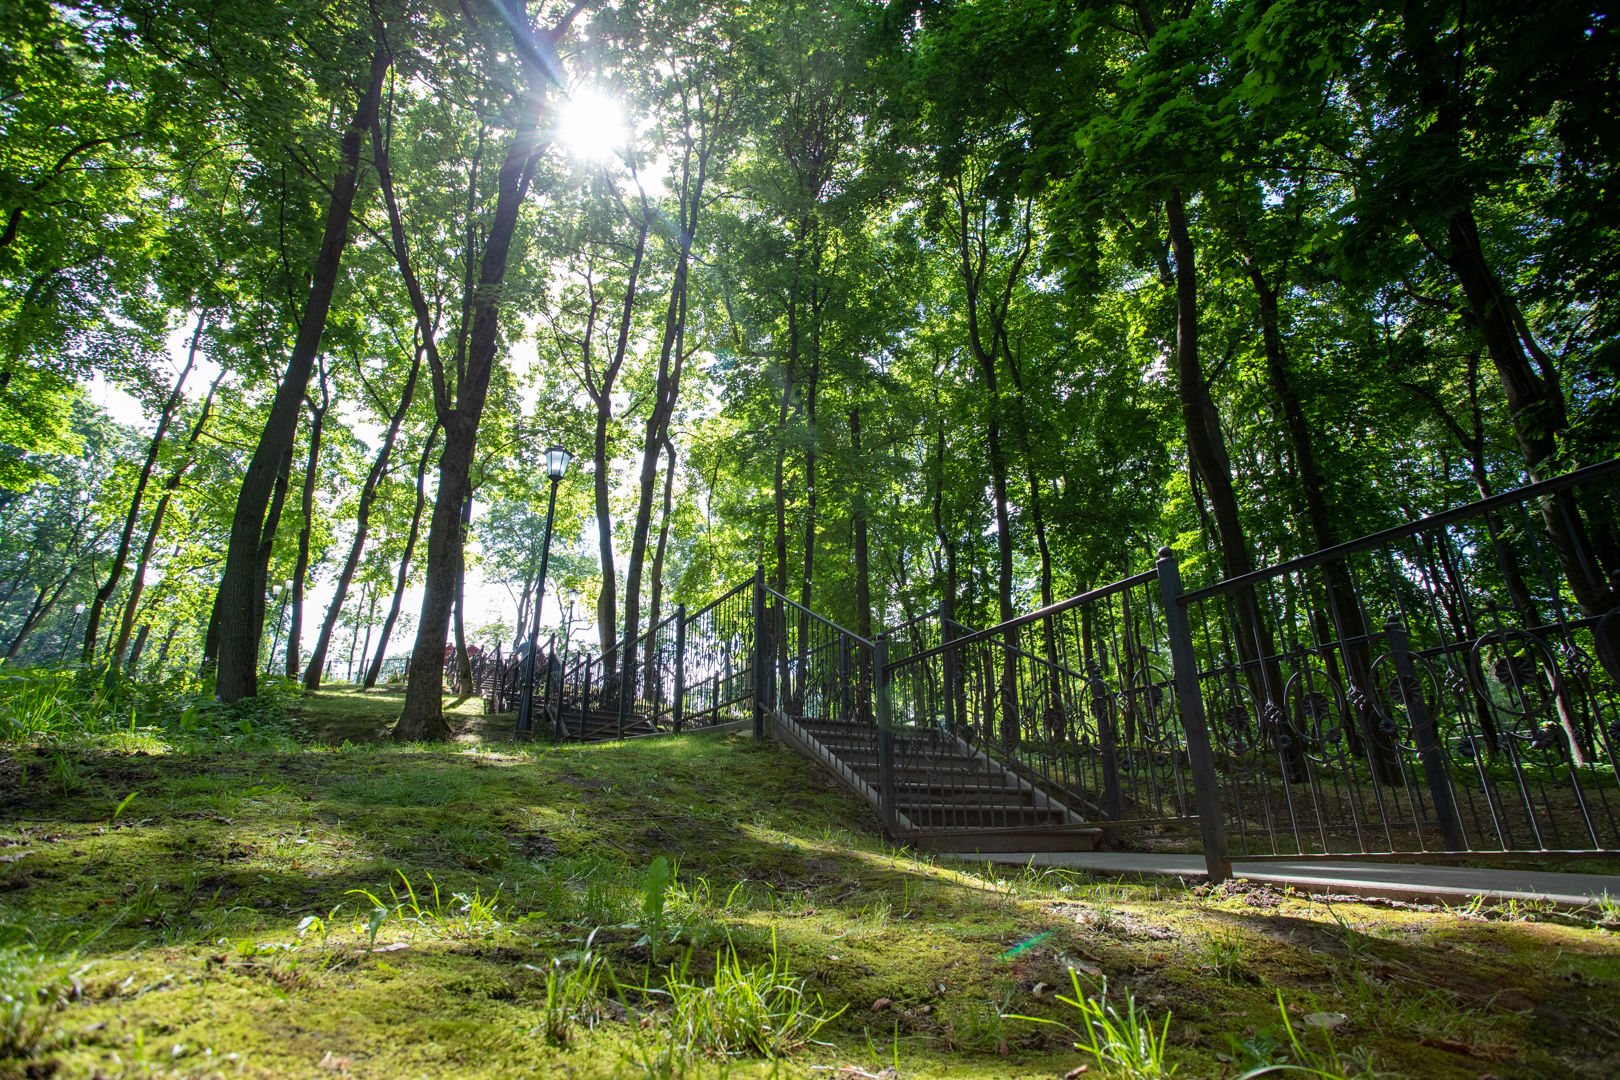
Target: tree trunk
point(362, 527)
point(121, 555)
point(272, 521)
point(163, 650)
point(1344, 610)
point(607, 611)
point(423, 716)
point(138, 583)
point(404, 563)
point(863, 562)
point(1206, 447)
point(649, 663)
point(1536, 404)
point(295, 629)
point(240, 603)
point(140, 643)
point(667, 392)
point(464, 675)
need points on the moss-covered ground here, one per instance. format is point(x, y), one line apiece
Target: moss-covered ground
point(360, 909)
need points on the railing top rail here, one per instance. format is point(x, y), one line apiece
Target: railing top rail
point(821, 618)
point(717, 601)
point(1412, 528)
point(890, 631)
point(1015, 650)
point(1024, 620)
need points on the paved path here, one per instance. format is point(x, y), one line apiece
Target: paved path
point(1397, 881)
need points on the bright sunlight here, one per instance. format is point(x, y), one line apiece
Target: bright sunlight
point(591, 125)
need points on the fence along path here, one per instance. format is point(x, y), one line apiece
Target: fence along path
point(1431, 691)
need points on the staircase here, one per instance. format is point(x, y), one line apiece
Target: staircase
point(948, 796)
point(602, 725)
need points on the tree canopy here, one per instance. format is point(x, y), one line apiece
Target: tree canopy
point(976, 302)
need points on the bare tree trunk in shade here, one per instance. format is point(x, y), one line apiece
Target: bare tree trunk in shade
point(375, 672)
point(317, 421)
point(239, 608)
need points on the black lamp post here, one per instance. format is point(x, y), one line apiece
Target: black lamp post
point(556, 464)
point(284, 592)
point(78, 609)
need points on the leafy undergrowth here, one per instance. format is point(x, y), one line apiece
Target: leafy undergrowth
point(493, 909)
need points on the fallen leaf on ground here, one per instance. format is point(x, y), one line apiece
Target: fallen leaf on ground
point(1325, 1020)
point(395, 947)
point(880, 1004)
point(1076, 1071)
point(335, 1064)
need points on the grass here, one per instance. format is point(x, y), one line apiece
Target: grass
point(488, 908)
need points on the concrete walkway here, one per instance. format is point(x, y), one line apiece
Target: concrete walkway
point(1396, 881)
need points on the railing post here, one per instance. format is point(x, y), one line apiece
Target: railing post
point(584, 698)
point(947, 669)
point(1190, 698)
point(885, 724)
point(761, 661)
point(680, 666)
point(627, 681)
point(1428, 739)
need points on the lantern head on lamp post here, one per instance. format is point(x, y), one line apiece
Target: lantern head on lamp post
point(557, 460)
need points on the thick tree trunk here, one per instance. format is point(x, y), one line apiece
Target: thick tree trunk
point(239, 606)
point(423, 716)
point(404, 563)
point(362, 528)
point(295, 628)
point(121, 555)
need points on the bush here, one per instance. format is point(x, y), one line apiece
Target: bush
point(75, 705)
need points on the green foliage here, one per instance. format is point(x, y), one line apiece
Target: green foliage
point(1126, 1040)
point(760, 1009)
point(71, 707)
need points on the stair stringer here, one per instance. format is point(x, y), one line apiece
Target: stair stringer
point(795, 736)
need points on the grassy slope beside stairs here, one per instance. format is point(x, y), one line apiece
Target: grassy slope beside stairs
point(375, 911)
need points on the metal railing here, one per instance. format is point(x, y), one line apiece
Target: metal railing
point(1432, 688)
point(1428, 690)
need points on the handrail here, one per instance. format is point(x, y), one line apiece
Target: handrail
point(1055, 666)
point(1024, 620)
point(727, 595)
point(1411, 528)
point(823, 618)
